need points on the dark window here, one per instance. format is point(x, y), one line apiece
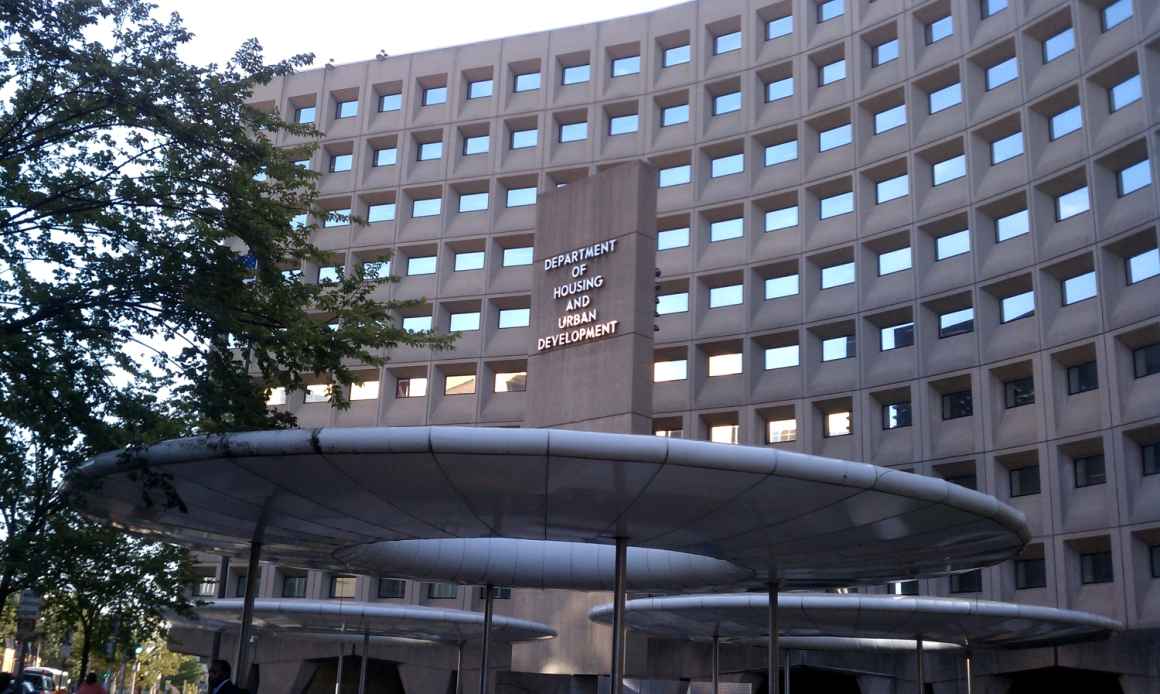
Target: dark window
point(1082, 378)
point(293, 586)
point(1096, 567)
point(1019, 392)
point(955, 405)
point(392, 588)
point(969, 582)
point(240, 585)
point(497, 593)
point(442, 591)
point(969, 480)
point(896, 415)
point(1154, 557)
point(1024, 480)
point(1151, 458)
point(904, 588)
point(1146, 360)
point(1090, 471)
point(1030, 573)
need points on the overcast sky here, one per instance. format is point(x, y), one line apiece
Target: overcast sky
point(353, 30)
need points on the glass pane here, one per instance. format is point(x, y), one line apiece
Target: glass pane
point(572, 132)
point(675, 115)
point(896, 336)
point(665, 371)
point(776, 28)
point(1079, 288)
point(515, 317)
point(672, 238)
point(347, 109)
point(479, 90)
point(1004, 72)
point(511, 382)
point(676, 175)
point(842, 203)
point(1135, 177)
point(952, 244)
point(381, 212)
point(727, 229)
point(1019, 392)
point(725, 364)
point(523, 139)
point(896, 415)
point(459, 385)
point(1061, 43)
point(1124, 93)
point(779, 89)
point(388, 156)
point(726, 103)
point(781, 357)
point(1018, 306)
point(892, 189)
point(678, 55)
point(780, 430)
point(946, 97)
point(1007, 148)
point(727, 166)
point(423, 265)
point(831, 9)
point(341, 162)
point(390, 102)
point(472, 260)
point(1024, 481)
point(832, 73)
point(417, 324)
point(1012, 225)
point(672, 303)
point(940, 29)
point(513, 257)
point(727, 43)
point(337, 218)
point(434, 95)
point(731, 295)
point(835, 137)
point(464, 322)
point(890, 119)
point(990, 7)
point(838, 348)
point(629, 65)
point(521, 197)
point(1116, 13)
point(411, 388)
point(1143, 265)
point(778, 287)
point(306, 114)
point(430, 150)
point(1073, 203)
point(527, 82)
point(782, 218)
point(949, 169)
point(575, 74)
point(472, 202)
point(894, 261)
point(838, 424)
point(782, 152)
point(622, 125)
point(886, 52)
point(1065, 122)
point(724, 433)
point(478, 144)
point(957, 322)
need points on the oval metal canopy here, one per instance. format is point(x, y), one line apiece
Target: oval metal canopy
point(805, 519)
point(398, 621)
point(743, 616)
point(850, 643)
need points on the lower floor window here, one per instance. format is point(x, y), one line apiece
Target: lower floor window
point(442, 591)
point(1096, 567)
point(1030, 573)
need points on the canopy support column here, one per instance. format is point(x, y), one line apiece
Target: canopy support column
point(716, 664)
point(459, 669)
point(967, 664)
point(338, 678)
point(785, 689)
point(488, 605)
point(362, 671)
point(773, 657)
point(618, 633)
point(223, 573)
point(920, 674)
point(242, 661)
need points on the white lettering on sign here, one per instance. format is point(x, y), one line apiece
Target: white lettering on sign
point(579, 320)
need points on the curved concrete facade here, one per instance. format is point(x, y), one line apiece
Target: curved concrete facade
point(1093, 540)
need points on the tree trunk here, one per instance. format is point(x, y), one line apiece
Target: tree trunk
point(86, 648)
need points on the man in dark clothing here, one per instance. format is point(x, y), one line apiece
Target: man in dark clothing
point(219, 679)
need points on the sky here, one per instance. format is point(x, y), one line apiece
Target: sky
point(348, 31)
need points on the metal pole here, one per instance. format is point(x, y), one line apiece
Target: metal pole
point(921, 675)
point(967, 658)
point(785, 690)
point(618, 591)
point(242, 661)
point(362, 671)
point(223, 574)
point(488, 606)
point(338, 679)
point(459, 670)
point(771, 665)
point(716, 664)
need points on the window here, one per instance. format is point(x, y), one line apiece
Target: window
point(885, 52)
point(464, 322)
point(672, 238)
point(1082, 377)
point(1024, 480)
point(726, 43)
point(1017, 306)
point(459, 385)
point(669, 433)
point(1030, 573)
point(838, 275)
point(1059, 44)
point(896, 336)
point(940, 29)
point(1006, 148)
point(958, 322)
point(727, 165)
point(376, 270)
point(573, 132)
point(949, 169)
point(330, 274)
point(305, 114)
point(835, 205)
point(956, 405)
point(514, 257)
point(672, 303)
point(726, 103)
point(1002, 73)
point(731, 295)
point(417, 324)
point(1115, 13)
point(838, 424)
point(1066, 121)
point(896, 415)
point(497, 593)
point(677, 55)
point(205, 587)
point(442, 591)
point(386, 156)
point(1070, 204)
point(342, 586)
point(434, 95)
point(946, 97)
point(835, 137)
point(302, 164)
point(1079, 288)
point(429, 151)
point(421, 265)
point(674, 115)
point(480, 89)
point(476, 144)
point(781, 357)
point(992, 7)
point(472, 202)
point(778, 27)
point(577, 74)
point(390, 102)
point(952, 244)
point(510, 382)
point(781, 153)
point(890, 119)
point(1154, 560)
point(298, 221)
point(1089, 471)
point(967, 582)
point(1146, 360)
point(891, 189)
point(1125, 93)
point(622, 125)
point(410, 388)
point(831, 9)
point(346, 109)
point(240, 585)
point(1011, 225)
point(725, 364)
point(470, 260)
point(515, 317)
point(1019, 392)
point(1132, 178)
point(667, 371)
point(525, 139)
point(629, 65)
point(725, 433)
point(527, 82)
point(337, 218)
point(521, 197)
point(903, 587)
point(780, 287)
point(341, 162)
point(778, 89)
point(726, 229)
point(781, 218)
point(836, 348)
point(1143, 265)
point(780, 430)
point(391, 588)
point(675, 176)
point(1096, 567)
point(293, 586)
point(832, 72)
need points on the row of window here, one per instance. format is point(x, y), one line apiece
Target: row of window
point(342, 587)
point(409, 387)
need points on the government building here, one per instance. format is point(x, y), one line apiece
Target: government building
point(917, 234)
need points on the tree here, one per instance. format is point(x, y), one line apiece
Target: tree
point(145, 219)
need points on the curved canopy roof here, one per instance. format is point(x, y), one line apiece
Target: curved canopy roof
point(808, 520)
point(744, 616)
point(850, 643)
point(398, 621)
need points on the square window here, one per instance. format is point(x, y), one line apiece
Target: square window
point(1012, 225)
point(778, 27)
point(833, 72)
point(480, 89)
point(727, 165)
point(629, 65)
point(341, 162)
point(778, 89)
point(1002, 73)
point(429, 151)
point(837, 275)
point(1143, 265)
point(886, 52)
point(946, 97)
point(952, 244)
point(957, 405)
point(576, 74)
point(836, 205)
point(675, 176)
point(896, 415)
point(838, 424)
point(472, 202)
point(668, 371)
point(780, 287)
point(1082, 377)
point(346, 109)
point(833, 138)
point(464, 322)
point(672, 303)
point(1024, 481)
point(958, 322)
point(410, 388)
point(967, 582)
point(1115, 13)
point(1079, 288)
point(940, 29)
point(831, 9)
point(894, 261)
point(1066, 121)
point(527, 82)
point(725, 364)
point(515, 257)
point(1132, 178)
point(1146, 360)
point(781, 218)
point(949, 169)
point(434, 95)
point(1090, 471)
point(1019, 392)
point(1096, 567)
point(672, 238)
point(674, 115)
point(781, 153)
point(1059, 44)
point(1006, 148)
point(390, 102)
point(391, 588)
point(515, 318)
point(525, 139)
point(677, 55)
point(781, 430)
point(727, 43)
point(890, 119)
point(903, 588)
point(376, 270)
point(732, 295)
point(891, 189)
point(459, 385)
point(726, 229)
point(510, 382)
point(470, 260)
point(387, 156)
point(896, 337)
point(573, 132)
point(478, 144)
point(293, 586)
point(342, 586)
point(726, 103)
point(622, 125)
point(521, 197)
point(781, 357)
point(1018, 306)
point(836, 348)
point(1030, 573)
point(1127, 92)
point(1070, 204)
point(319, 392)
point(305, 114)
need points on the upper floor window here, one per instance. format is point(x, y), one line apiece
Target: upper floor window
point(885, 52)
point(894, 261)
point(725, 229)
point(521, 197)
point(831, 9)
point(945, 97)
point(341, 162)
point(525, 139)
point(386, 156)
point(623, 125)
point(1006, 148)
point(958, 322)
point(573, 132)
point(1002, 73)
point(890, 119)
point(779, 89)
point(1134, 177)
point(576, 74)
point(410, 388)
point(1066, 121)
point(1115, 13)
point(779, 287)
point(674, 115)
point(672, 303)
point(1018, 306)
point(346, 109)
point(952, 244)
point(391, 588)
point(1024, 481)
point(434, 95)
point(781, 218)
point(967, 582)
point(949, 169)
point(839, 423)
point(672, 238)
point(677, 55)
point(426, 207)
point(727, 43)
point(781, 152)
point(991, 7)
point(305, 114)
point(1019, 392)
point(515, 317)
point(835, 348)
point(731, 295)
point(1096, 567)
point(940, 29)
point(477, 144)
point(1082, 377)
point(1012, 225)
point(527, 82)
point(479, 89)
point(430, 150)
point(727, 165)
point(515, 257)
point(293, 586)
point(896, 415)
point(675, 176)
point(778, 27)
point(381, 212)
point(1146, 360)
point(726, 103)
point(956, 405)
point(1068, 205)
point(891, 189)
point(896, 336)
point(629, 65)
point(1058, 44)
point(832, 72)
point(1125, 93)
point(835, 205)
point(1079, 288)
point(1143, 265)
point(835, 137)
point(1150, 458)
point(837, 275)
point(442, 591)
point(390, 102)
point(510, 382)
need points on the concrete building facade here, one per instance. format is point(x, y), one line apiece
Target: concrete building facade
point(917, 234)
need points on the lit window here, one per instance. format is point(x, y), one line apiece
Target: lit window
point(1006, 148)
point(576, 74)
point(346, 109)
point(342, 586)
point(629, 65)
point(675, 175)
point(1019, 392)
point(958, 322)
point(940, 29)
point(946, 97)
point(725, 433)
point(434, 95)
point(514, 257)
point(1059, 44)
point(727, 43)
point(459, 385)
point(832, 72)
point(276, 396)
point(896, 415)
point(470, 260)
point(836, 348)
point(472, 202)
point(480, 89)
point(731, 295)
point(1125, 93)
point(726, 103)
point(778, 27)
point(410, 388)
point(341, 162)
point(831, 9)
point(376, 269)
point(390, 102)
point(957, 405)
point(677, 55)
point(1115, 13)
point(672, 303)
point(891, 189)
point(952, 244)
point(837, 275)
point(1002, 73)
point(330, 275)
point(727, 165)
point(674, 115)
point(725, 364)
point(896, 336)
point(1079, 288)
point(477, 144)
point(1132, 178)
point(726, 229)
point(903, 587)
point(991, 7)
point(527, 82)
point(1146, 360)
point(622, 125)
point(515, 317)
point(1066, 121)
point(890, 119)
point(521, 197)
point(835, 205)
point(949, 169)
point(511, 382)
point(525, 139)
point(573, 132)
point(1024, 481)
point(1090, 471)
point(781, 218)
point(367, 390)
point(1018, 306)
point(429, 151)
point(672, 238)
point(337, 218)
point(298, 221)
point(783, 286)
point(667, 371)
point(1143, 265)
point(421, 265)
point(417, 324)
point(464, 322)
point(779, 89)
point(894, 261)
point(886, 52)
point(1082, 377)
point(669, 433)
point(1070, 204)
point(780, 430)
point(305, 114)
point(1012, 225)
point(781, 152)
point(781, 357)
point(835, 137)
point(386, 156)
point(838, 424)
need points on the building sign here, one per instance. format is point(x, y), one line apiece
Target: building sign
point(576, 285)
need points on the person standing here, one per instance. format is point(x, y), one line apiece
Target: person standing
point(219, 679)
